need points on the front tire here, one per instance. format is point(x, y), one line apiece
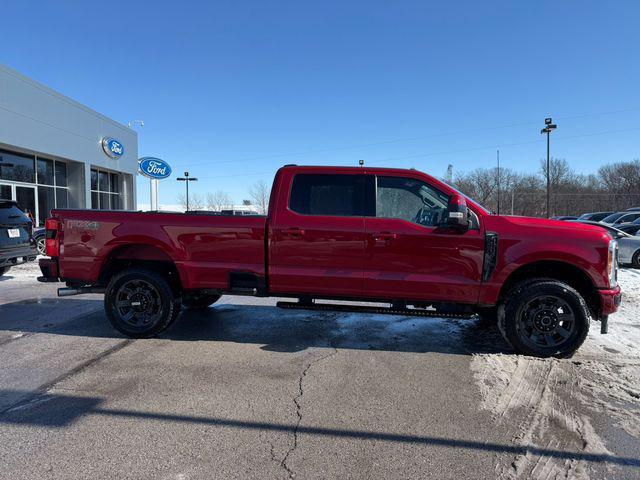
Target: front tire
point(140, 303)
point(4, 270)
point(545, 318)
point(635, 262)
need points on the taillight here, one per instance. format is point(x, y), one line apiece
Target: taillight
point(52, 237)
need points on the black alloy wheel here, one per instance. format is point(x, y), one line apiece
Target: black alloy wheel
point(544, 318)
point(140, 303)
point(546, 321)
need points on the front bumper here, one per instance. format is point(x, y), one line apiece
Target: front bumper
point(610, 300)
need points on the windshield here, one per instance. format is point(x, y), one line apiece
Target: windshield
point(612, 218)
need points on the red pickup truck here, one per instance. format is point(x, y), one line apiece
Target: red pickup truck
point(394, 236)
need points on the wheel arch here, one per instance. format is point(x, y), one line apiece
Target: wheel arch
point(558, 270)
point(140, 255)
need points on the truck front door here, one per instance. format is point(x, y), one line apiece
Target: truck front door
point(410, 254)
point(317, 238)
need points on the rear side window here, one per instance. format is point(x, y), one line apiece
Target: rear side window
point(322, 194)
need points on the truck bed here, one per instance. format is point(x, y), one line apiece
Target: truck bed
point(204, 248)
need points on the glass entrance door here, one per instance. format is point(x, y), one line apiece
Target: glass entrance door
point(26, 198)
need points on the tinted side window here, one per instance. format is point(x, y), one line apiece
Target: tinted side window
point(411, 200)
point(321, 194)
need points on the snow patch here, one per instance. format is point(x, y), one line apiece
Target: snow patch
point(551, 398)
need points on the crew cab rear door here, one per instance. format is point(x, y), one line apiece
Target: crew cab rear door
point(410, 255)
point(317, 237)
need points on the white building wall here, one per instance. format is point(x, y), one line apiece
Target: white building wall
point(37, 119)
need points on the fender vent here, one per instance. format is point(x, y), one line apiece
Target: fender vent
point(490, 255)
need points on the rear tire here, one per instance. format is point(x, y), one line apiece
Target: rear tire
point(544, 318)
point(635, 262)
point(140, 303)
point(4, 270)
point(196, 301)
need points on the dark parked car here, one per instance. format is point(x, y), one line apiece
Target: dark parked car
point(595, 216)
point(630, 228)
point(620, 218)
point(16, 244)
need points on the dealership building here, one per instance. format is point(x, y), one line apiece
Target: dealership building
point(56, 152)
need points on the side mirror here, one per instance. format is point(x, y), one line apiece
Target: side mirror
point(457, 212)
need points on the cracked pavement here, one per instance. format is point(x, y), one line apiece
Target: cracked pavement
point(241, 390)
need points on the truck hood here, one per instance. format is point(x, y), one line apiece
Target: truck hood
point(543, 227)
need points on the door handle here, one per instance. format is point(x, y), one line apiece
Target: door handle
point(293, 232)
point(384, 236)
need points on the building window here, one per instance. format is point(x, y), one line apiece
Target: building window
point(52, 186)
point(61, 174)
point(45, 171)
point(16, 167)
point(105, 190)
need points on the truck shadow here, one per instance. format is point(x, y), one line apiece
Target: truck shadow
point(272, 328)
point(54, 410)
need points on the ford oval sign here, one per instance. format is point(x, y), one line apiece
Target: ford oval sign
point(112, 147)
point(154, 168)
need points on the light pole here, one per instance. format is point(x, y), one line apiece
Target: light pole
point(153, 184)
point(549, 126)
point(186, 179)
point(498, 158)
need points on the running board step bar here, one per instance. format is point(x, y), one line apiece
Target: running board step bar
point(333, 307)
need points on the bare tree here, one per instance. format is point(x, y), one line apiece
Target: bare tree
point(182, 201)
point(196, 201)
point(218, 200)
point(259, 193)
point(614, 187)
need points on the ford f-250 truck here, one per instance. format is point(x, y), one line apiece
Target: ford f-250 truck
point(393, 236)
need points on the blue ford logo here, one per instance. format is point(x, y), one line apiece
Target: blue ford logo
point(112, 147)
point(154, 168)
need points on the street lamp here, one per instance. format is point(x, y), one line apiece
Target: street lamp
point(186, 179)
point(548, 127)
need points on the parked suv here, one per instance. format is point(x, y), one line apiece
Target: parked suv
point(16, 244)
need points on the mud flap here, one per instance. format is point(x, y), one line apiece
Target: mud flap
point(604, 324)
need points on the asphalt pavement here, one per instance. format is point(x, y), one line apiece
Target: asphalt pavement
point(246, 390)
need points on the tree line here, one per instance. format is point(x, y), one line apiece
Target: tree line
point(218, 200)
point(614, 187)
